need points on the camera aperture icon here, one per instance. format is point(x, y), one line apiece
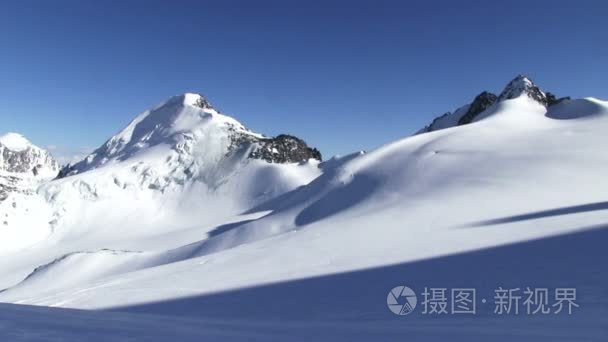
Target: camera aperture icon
point(401, 300)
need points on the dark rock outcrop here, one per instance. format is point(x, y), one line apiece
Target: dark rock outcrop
point(29, 161)
point(481, 102)
point(523, 85)
point(66, 170)
point(203, 103)
point(553, 100)
point(284, 148)
point(430, 127)
point(519, 86)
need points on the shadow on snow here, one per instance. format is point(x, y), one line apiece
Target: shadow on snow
point(355, 302)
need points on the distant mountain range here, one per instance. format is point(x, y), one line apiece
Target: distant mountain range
point(186, 202)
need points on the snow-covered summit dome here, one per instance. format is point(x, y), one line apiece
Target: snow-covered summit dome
point(15, 141)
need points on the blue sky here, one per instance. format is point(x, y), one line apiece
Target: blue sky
point(343, 75)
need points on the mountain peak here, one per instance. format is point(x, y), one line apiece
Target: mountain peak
point(521, 85)
point(187, 99)
point(191, 137)
point(15, 142)
point(19, 155)
point(191, 99)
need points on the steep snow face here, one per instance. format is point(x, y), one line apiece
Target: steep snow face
point(190, 131)
point(463, 115)
point(184, 139)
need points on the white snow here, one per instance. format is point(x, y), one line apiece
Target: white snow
point(165, 222)
point(15, 141)
point(447, 120)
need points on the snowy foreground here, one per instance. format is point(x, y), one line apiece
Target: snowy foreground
point(170, 232)
point(351, 306)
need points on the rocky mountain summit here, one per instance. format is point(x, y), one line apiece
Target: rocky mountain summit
point(198, 137)
point(23, 166)
point(481, 102)
point(18, 155)
point(520, 85)
point(283, 149)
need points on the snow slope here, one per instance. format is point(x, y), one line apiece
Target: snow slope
point(467, 200)
point(351, 306)
point(172, 175)
point(430, 189)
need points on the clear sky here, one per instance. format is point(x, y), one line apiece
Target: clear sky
point(343, 75)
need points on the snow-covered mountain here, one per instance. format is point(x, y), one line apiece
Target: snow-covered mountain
point(186, 212)
point(23, 167)
point(199, 138)
point(520, 85)
point(175, 166)
point(19, 156)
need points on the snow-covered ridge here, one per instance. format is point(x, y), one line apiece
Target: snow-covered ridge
point(179, 210)
point(196, 134)
point(182, 161)
point(181, 123)
point(520, 86)
point(408, 200)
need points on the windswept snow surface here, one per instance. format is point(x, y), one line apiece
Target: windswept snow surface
point(133, 231)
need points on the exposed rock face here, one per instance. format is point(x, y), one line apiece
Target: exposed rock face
point(28, 161)
point(463, 115)
point(553, 100)
point(65, 171)
point(22, 167)
point(519, 86)
point(12, 184)
point(203, 103)
point(198, 137)
point(24, 158)
point(284, 149)
point(433, 124)
point(481, 102)
point(523, 85)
